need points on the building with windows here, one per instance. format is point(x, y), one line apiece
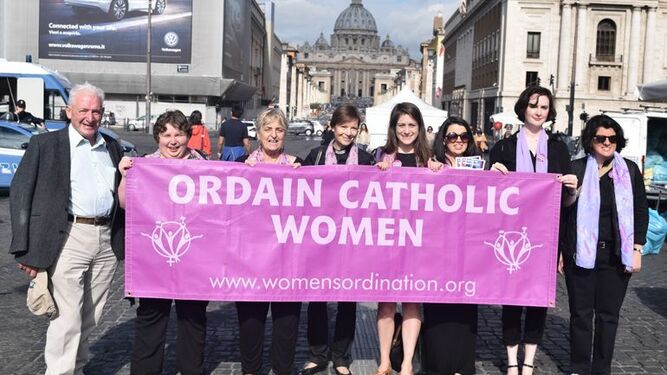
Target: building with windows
point(354, 64)
point(495, 48)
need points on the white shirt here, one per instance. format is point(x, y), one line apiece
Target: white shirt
point(91, 177)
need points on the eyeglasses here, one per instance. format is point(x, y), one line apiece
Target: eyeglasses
point(452, 137)
point(602, 138)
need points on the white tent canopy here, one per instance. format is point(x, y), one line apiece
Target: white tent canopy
point(377, 117)
point(654, 91)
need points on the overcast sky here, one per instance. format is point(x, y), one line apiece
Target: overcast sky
point(408, 22)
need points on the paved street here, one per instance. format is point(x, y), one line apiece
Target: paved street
point(640, 347)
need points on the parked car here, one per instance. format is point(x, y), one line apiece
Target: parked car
point(14, 139)
point(129, 149)
point(318, 128)
point(108, 119)
point(252, 130)
point(116, 9)
point(139, 123)
point(299, 127)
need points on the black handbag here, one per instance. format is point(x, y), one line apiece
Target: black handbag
point(396, 352)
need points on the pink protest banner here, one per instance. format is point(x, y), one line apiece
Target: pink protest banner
point(225, 231)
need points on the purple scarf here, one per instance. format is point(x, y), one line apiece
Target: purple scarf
point(330, 157)
point(524, 161)
point(258, 156)
point(588, 212)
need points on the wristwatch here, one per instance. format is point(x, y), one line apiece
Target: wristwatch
point(639, 249)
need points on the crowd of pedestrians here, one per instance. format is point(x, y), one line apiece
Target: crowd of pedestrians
point(75, 179)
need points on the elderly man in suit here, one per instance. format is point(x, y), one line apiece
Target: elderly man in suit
point(66, 220)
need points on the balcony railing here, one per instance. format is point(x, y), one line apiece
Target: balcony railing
point(606, 60)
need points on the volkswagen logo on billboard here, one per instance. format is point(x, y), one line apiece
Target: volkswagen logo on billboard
point(171, 39)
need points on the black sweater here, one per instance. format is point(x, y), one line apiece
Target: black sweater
point(558, 155)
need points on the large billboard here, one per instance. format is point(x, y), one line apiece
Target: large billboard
point(115, 30)
point(237, 40)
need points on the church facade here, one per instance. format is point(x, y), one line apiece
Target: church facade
point(355, 64)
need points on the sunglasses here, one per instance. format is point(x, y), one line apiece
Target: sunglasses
point(452, 137)
point(602, 138)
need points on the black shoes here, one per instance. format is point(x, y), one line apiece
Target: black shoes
point(312, 370)
point(341, 373)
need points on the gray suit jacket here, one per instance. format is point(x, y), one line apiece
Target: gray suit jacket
point(39, 197)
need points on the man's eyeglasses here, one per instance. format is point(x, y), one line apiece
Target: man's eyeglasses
point(452, 137)
point(602, 138)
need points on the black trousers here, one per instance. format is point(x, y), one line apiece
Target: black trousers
point(150, 333)
point(533, 328)
point(449, 338)
point(318, 333)
point(252, 319)
point(595, 293)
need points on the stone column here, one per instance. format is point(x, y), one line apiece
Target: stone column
point(282, 95)
point(582, 56)
point(423, 90)
point(293, 92)
point(346, 86)
point(336, 82)
point(649, 42)
point(565, 53)
point(633, 59)
point(300, 96)
point(356, 82)
point(309, 96)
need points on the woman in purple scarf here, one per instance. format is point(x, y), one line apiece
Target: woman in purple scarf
point(271, 134)
point(606, 231)
point(531, 150)
point(342, 150)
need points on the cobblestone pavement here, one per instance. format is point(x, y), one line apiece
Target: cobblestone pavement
point(640, 344)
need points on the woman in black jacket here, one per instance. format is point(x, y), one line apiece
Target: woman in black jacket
point(450, 329)
point(531, 150)
point(606, 231)
point(341, 150)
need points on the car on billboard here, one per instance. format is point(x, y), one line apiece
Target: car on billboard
point(116, 9)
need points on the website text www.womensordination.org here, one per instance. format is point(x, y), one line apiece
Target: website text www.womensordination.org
point(372, 283)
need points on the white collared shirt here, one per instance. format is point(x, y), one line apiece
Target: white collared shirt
point(91, 177)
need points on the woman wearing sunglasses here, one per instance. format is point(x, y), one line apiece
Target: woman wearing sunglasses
point(450, 330)
point(343, 150)
point(606, 230)
point(406, 147)
point(532, 150)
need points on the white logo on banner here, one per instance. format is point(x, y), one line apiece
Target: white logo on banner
point(171, 39)
point(171, 239)
point(512, 248)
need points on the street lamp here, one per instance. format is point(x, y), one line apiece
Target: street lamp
point(147, 118)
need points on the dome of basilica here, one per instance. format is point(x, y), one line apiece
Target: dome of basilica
point(356, 18)
point(387, 43)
